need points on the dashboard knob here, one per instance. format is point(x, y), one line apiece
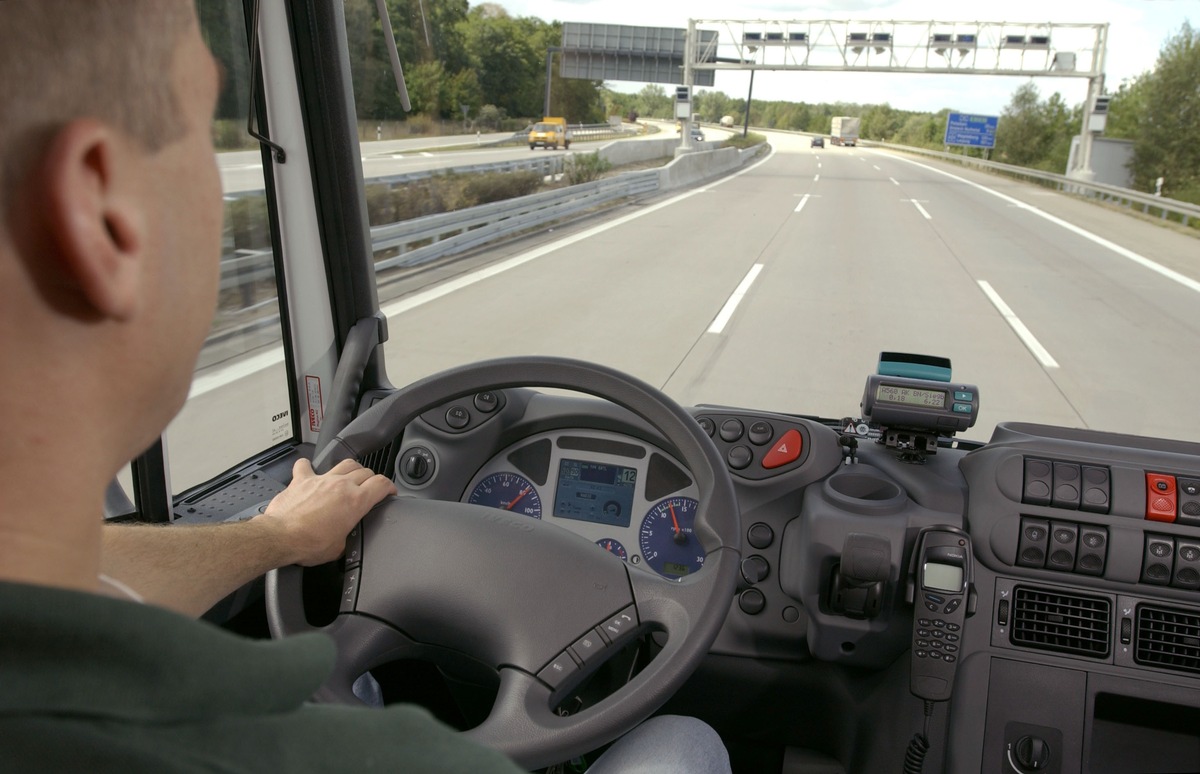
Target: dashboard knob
point(416, 465)
point(1032, 753)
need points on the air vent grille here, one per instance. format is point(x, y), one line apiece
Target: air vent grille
point(1064, 623)
point(1168, 638)
point(381, 461)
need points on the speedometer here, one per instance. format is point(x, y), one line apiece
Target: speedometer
point(667, 538)
point(508, 492)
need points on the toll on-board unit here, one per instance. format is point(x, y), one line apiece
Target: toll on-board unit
point(913, 402)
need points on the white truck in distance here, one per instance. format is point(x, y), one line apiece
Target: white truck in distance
point(845, 130)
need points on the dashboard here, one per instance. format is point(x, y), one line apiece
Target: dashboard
point(1085, 633)
point(1086, 549)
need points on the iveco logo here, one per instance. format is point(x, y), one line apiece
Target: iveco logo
point(521, 523)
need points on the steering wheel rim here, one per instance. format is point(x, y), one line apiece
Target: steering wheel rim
point(521, 723)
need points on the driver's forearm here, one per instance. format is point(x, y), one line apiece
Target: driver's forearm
point(189, 569)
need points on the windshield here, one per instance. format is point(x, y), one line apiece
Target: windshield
point(774, 272)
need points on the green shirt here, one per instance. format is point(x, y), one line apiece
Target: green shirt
point(92, 684)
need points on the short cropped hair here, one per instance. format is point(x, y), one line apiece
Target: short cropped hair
point(61, 60)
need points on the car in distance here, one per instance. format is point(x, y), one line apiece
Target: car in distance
point(818, 142)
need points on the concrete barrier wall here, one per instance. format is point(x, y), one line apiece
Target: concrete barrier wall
point(701, 165)
point(632, 151)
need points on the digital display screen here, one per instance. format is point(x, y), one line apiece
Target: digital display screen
point(910, 396)
point(676, 569)
point(943, 577)
point(595, 492)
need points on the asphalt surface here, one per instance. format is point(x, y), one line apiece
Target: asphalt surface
point(242, 171)
point(1061, 311)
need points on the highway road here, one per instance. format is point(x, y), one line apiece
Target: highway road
point(242, 171)
point(778, 287)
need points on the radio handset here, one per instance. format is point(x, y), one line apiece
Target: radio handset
point(942, 595)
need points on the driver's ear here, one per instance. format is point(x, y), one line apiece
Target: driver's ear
point(97, 228)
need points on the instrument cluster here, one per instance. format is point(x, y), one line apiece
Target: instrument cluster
point(628, 497)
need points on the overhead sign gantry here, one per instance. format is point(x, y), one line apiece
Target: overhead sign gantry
point(935, 47)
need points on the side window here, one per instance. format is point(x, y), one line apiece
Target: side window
point(239, 402)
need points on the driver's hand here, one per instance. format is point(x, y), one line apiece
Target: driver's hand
point(315, 513)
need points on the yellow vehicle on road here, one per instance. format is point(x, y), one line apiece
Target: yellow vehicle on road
point(550, 133)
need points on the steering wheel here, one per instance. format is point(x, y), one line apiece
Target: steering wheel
point(515, 593)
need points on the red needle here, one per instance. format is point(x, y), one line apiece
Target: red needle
point(673, 519)
point(517, 499)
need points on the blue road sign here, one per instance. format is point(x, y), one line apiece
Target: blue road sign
point(973, 131)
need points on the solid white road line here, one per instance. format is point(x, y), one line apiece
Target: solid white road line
point(1028, 338)
point(722, 318)
point(1141, 260)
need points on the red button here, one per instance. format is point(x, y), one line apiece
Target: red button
point(1160, 497)
point(786, 449)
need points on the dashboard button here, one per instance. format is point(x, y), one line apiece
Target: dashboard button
point(619, 625)
point(1096, 491)
point(1189, 501)
point(1035, 537)
point(354, 547)
point(786, 449)
point(1064, 537)
point(589, 647)
point(1158, 560)
point(1187, 564)
point(707, 425)
point(1037, 482)
point(761, 432)
point(760, 535)
point(755, 568)
point(1093, 550)
point(458, 417)
point(558, 670)
point(350, 589)
point(740, 457)
point(1066, 485)
point(1160, 497)
point(752, 601)
point(487, 402)
point(731, 430)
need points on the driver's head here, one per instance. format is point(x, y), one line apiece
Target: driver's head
point(110, 206)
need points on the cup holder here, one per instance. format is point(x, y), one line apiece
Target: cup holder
point(865, 493)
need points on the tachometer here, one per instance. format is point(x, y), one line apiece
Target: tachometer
point(508, 492)
point(667, 538)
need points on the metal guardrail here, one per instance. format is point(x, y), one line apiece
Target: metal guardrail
point(546, 164)
point(429, 238)
point(448, 233)
point(1166, 207)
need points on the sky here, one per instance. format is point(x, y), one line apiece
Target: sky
point(1137, 30)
